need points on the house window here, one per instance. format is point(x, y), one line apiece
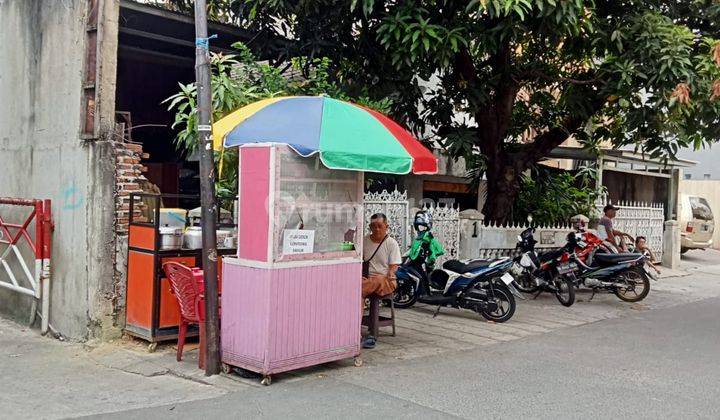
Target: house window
point(688, 176)
point(706, 176)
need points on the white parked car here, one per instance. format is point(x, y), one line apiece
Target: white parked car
point(697, 223)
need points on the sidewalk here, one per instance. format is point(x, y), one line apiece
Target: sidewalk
point(46, 378)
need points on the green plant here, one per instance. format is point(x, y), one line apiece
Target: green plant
point(554, 197)
point(238, 80)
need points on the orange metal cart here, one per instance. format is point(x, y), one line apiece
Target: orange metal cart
point(151, 309)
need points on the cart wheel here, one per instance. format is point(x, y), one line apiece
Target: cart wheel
point(152, 347)
point(266, 380)
point(226, 369)
point(358, 361)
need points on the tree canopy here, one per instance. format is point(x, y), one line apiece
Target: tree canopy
point(503, 82)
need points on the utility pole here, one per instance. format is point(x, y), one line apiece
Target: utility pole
point(207, 190)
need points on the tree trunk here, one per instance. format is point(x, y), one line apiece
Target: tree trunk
point(503, 187)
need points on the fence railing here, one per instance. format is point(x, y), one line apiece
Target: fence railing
point(395, 206)
point(465, 236)
point(640, 219)
point(493, 240)
point(31, 237)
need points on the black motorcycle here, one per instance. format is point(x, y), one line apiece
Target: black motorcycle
point(551, 272)
point(479, 285)
point(625, 275)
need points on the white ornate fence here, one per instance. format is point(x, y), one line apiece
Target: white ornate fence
point(446, 221)
point(395, 206)
point(466, 238)
point(495, 241)
point(640, 219)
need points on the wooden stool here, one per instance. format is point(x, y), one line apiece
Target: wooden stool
point(374, 320)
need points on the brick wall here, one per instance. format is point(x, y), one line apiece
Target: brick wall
point(129, 178)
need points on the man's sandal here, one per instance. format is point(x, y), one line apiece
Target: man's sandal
point(369, 342)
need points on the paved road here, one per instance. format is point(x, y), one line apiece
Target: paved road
point(411, 374)
point(652, 364)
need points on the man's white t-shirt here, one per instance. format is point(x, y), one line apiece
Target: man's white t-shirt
point(388, 254)
point(604, 226)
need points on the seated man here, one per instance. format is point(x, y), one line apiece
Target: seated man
point(381, 258)
point(607, 232)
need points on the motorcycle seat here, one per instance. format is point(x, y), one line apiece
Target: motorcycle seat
point(616, 258)
point(462, 268)
point(551, 255)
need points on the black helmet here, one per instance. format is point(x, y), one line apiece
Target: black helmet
point(422, 218)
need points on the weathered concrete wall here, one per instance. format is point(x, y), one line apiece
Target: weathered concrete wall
point(42, 155)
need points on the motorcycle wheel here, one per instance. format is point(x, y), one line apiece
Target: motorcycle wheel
point(565, 291)
point(525, 283)
point(505, 301)
point(405, 298)
point(636, 279)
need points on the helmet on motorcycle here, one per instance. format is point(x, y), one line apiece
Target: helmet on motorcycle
point(423, 221)
point(576, 240)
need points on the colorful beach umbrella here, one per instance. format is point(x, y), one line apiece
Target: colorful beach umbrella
point(346, 135)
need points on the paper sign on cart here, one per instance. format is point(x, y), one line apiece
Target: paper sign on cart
point(296, 241)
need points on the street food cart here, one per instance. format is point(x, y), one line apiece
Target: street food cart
point(292, 297)
point(155, 238)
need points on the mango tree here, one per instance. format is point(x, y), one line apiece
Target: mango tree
point(503, 82)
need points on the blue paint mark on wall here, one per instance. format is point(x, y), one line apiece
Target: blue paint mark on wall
point(72, 198)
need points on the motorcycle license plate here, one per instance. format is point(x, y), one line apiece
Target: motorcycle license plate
point(507, 278)
point(566, 268)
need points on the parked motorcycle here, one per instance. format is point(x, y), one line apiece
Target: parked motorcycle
point(479, 285)
point(548, 272)
point(626, 274)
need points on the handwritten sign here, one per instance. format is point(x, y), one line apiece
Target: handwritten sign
point(296, 241)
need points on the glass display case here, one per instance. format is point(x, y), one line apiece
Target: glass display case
point(318, 212)
point(309, 212)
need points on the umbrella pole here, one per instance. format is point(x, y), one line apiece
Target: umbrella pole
point(207, 190)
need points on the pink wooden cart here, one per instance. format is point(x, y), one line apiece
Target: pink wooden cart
point(291, 298)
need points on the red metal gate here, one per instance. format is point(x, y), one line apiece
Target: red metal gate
point(14, 237)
